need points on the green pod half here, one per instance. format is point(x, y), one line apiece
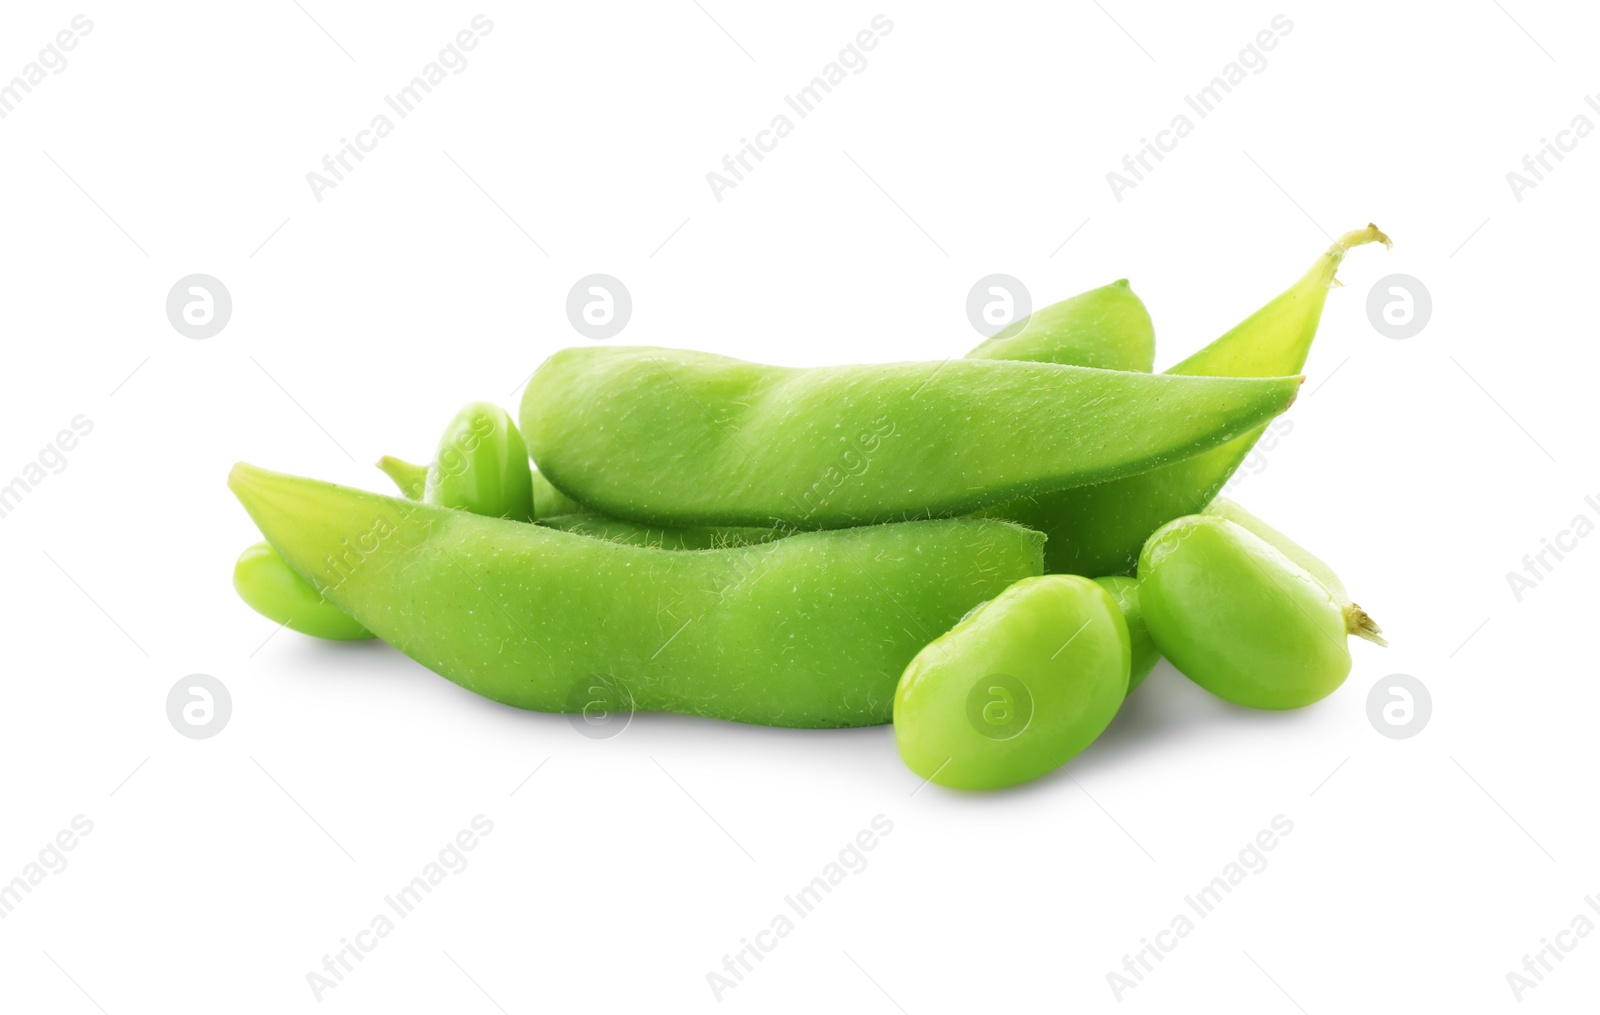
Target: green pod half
point(1108, 328)
point(1145, 654)
point(1017, 688)
point(1099, 529)
point(809, 631)
point(481, 466)
point(268, 585)
point(1239, 618)
point(670, 437)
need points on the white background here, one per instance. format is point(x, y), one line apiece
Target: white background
point(977, 140)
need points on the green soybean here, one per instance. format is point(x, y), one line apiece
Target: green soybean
point(1017, 688)
point(266, 582)
point(670, 437)
point(1240, 618)
point(1145, 654)
point(812, 630)
point(1108, 328)
point(1099, 529)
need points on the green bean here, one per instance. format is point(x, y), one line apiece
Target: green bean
point(266, 582)
point(1017, 688)
point(1240, 618)
point(1145, 654)
point(809, 631)
point(680, 438)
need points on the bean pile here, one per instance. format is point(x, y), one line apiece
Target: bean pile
point(990, 552)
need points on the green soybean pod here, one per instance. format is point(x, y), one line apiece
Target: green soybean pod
point(812, 630)
point(1017, 688)
point(698, 537)
point(670, 437)
point(266, 582)
point(412, 479)
point(1241, 619)
point(1108, 328)
point(1145, 654)
point(1099, 529)
point(481, 465)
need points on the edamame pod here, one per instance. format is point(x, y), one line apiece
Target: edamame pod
point(481, 466)
point(266, 582)
point(1145, 654)
point(635, 534)
point(1099, 529)
point(670, 437)
point(809, 631)
point(1108, 328)
point(412, 480)
point(1017, 688)
point(1241, 619)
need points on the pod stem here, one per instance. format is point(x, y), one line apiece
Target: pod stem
point(1326, 266)
point(408, 477)
point(1359, 623)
